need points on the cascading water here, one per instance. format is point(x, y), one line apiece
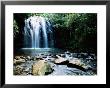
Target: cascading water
point(36, 32)
point(43, 23)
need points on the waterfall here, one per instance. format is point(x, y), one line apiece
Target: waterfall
point(36, 31)
point(43, 23)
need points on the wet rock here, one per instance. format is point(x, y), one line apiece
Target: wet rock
point(83, 55)
point(54, 56)
point(90, 58)
point(94, 70)
point(32, 58)
point(18, 61)
point(18, 70)
point(87, 67)
point(49, 58)
point(67, 52)
point(62, 55)
point(26, 70)
point(23, 57)
point(17, 57)
point(28, 57)
point(50, 55)
point(41, 67)
point(77, 63)
point(56, 64)
point(67, 56)
point(61, 60)
point(74, 55)
point(93, 55)
point(76, 66)
point(52, 65)
point(39, 57)
point(42, 54)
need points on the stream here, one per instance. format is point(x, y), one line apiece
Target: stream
point(29, 55)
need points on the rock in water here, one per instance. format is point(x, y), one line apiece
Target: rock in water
point(17, 57)
point(18, 61)
point(61, 60)
point(28, 57)
point(41, 67)
point(18, 70)
point(76, 63)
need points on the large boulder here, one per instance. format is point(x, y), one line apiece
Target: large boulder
point(41, 67)
point(61, 60)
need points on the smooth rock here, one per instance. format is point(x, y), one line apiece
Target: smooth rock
point(61, 60)
point(41, 67)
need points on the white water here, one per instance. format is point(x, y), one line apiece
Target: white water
point(44, 33)
point(32, 32)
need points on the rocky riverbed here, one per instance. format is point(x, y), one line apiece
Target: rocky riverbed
point(65, 63)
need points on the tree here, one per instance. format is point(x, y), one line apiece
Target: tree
point(74, 31)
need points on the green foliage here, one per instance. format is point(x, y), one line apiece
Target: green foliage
point(16, 28)
point(80, 28)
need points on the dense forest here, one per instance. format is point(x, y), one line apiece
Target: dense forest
point(76, 32)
